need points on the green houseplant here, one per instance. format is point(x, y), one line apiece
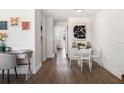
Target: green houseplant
point(3, 37)
point(80, 45)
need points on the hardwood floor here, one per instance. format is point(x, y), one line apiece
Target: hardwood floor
point(58, 71)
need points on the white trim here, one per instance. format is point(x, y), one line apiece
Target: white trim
point(111, 70)
point(44, 59)
point(37, 68)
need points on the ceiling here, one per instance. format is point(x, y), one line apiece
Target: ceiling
point(63, 14)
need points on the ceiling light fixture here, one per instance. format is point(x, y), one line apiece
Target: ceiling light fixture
point(79, 10)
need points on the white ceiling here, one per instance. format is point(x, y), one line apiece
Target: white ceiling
point(63, 14)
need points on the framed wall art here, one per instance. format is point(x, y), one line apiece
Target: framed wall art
point(3, 25)
point(79, 31)
point(14, 21)
point(25, 25)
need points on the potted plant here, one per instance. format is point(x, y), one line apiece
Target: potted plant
point(79, 45)
point(3, 37)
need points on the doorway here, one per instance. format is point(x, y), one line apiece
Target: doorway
point(60, 39)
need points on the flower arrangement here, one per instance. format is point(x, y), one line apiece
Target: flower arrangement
point(3, 37)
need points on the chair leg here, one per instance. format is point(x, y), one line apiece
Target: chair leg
point(16, 72)
point(101, 65)
point(90, 65)
point(70, 62)
point(98, 61)
point(8, 76)
point(81, 63)
point(2, 74)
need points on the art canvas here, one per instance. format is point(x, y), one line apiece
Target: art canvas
point(25, 25)
point(14, 21)
point(79, 31)
point(3, 25)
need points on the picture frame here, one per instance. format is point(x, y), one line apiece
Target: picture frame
point(79, 31)
point(3, 25)
point(25, 25)
point(14, 21)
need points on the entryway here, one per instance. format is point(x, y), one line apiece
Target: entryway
point(60, 39)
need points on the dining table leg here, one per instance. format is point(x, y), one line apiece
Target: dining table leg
point(2, 74)
point(16, 72)
point(8, 76)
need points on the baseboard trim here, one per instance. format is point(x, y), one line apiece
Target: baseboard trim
point(44, 59)
point(115, 73)
point(37, 68)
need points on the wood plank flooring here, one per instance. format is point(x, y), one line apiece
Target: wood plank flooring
point(58, 71)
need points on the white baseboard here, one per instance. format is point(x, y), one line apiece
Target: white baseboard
point(117, 74)
point(37, 68)
point(44, 60)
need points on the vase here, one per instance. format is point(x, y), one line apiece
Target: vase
point(2, 48)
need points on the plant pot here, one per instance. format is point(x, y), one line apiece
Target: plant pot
point(2, 48)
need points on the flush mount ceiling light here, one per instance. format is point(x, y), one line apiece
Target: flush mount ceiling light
point(79, 10)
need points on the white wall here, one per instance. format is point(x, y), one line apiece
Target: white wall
point(38, 52)
point(15, 39)
point(25, 39)
point(44, 37)
point(55, 40)
point(49, 37)
point(79, 20)
point(18, 38)
point(108, 34)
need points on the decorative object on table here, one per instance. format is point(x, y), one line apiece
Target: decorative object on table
point(3, 37)
point(3, 25)
point(79, 31)
point(7, 49)
point(88, 45)
point(25, 25)
point(14, 21)
point(73, 44)
point(81, 45)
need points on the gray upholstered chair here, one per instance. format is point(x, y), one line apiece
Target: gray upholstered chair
point(7, 62)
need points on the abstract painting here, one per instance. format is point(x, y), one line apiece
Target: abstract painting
point(25, 25)
point(3, 25)
point(79, 31)
point(14, 21)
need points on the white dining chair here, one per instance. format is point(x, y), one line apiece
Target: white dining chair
point(97, 56)
point(85, 56)
point(7, 62)
point(73, 54)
